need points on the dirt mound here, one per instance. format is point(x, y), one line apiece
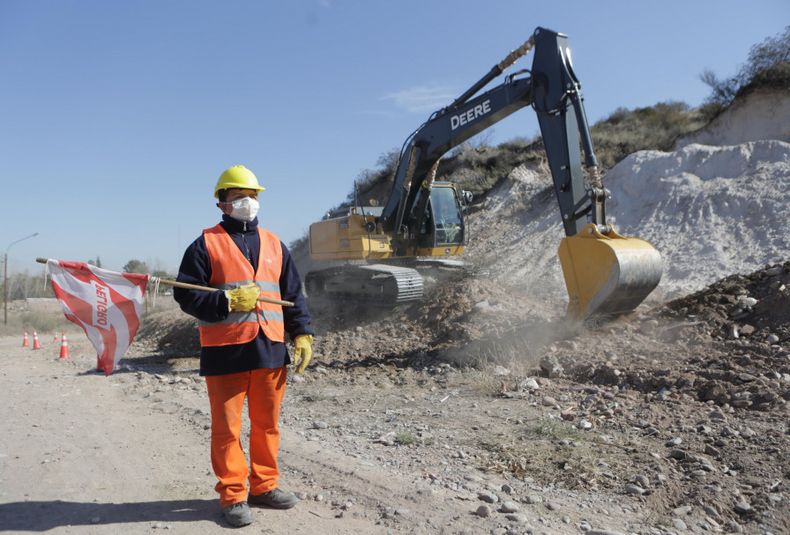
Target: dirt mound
point(761, 114)
point(170, 333)
point(722, 345)
point(754, 307)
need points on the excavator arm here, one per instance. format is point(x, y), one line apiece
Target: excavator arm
point(555, 94)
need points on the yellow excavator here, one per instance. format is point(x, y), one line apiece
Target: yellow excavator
point(423, 219)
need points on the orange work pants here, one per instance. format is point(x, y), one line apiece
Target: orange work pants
point(264, 389)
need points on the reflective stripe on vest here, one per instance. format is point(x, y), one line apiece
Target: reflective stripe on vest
point(230, 269)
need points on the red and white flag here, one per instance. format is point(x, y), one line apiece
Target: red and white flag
point(106, 304)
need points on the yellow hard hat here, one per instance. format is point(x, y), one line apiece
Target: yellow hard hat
point(239, 177)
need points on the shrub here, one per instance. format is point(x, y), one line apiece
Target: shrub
point(768, 65)
point(404, 438)
point(654, 127)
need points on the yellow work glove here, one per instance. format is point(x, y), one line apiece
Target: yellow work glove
point(303, 352)
point(243, 298)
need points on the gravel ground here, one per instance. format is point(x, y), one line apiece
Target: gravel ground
point(664, 421)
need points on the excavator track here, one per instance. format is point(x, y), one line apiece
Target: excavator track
point(373, 284)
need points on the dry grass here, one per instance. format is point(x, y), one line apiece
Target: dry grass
point(47, 317)
point(23, 318)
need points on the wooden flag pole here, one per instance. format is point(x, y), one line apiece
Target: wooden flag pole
point(188, 286)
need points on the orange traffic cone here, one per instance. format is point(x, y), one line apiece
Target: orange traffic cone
point(64, 347)
point(36, 345)
point(25, 343)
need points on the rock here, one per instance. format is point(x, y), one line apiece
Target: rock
point(483, 511)
point(550, 366)
point(509, 507)
point(732, 332)
point(679, 524)
point(501, 371)
point(585, 424)
point(533, 498)
point(517, 518)
point(677, 441)
point(729, 432)
point(746, 330)
point(743, 508)
point(507, 489)
point(487, 497)
point(682, 510)
point(603, 532)
point(710, 450)
point(529, 384)
point(387, 439)
point(678, 454)
point(746, 302)
point(320, 425)
point(548, 401)
point(633, 489)
point(642, 481)
point(710, 510)
point(772, 339)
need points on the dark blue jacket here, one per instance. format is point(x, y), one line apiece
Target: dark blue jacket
point(213, 306)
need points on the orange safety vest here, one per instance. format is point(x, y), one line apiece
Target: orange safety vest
point(230, 269)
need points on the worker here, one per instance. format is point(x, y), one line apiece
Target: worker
point(243, 347)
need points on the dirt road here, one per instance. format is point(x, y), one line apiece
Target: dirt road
point(84, 453)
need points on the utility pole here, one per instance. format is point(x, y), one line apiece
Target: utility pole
point(5, 276)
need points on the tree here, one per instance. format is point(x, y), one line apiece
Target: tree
point(135, 266)
point(768, 65)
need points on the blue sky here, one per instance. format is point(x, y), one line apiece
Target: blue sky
point(118, 117)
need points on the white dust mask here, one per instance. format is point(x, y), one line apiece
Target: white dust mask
point(244, 209)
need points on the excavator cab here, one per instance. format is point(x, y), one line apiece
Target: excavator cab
point(442, 228)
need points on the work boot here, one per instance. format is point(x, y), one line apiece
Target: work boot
point(237, 514)
point(275, 498)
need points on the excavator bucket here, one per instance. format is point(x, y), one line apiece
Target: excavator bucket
point(607, 274)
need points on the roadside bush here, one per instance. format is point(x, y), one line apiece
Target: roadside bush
point(45, 321)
